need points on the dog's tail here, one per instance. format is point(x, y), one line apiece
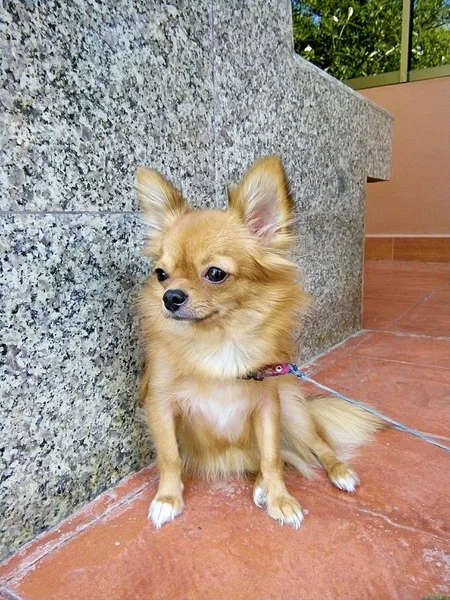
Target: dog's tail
point(341, 425)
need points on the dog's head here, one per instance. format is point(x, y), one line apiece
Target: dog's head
point(211, 264)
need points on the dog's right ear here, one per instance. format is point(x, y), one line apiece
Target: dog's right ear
point(262, 200)
point(159, 200)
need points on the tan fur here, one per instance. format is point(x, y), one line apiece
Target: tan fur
point(204, 419)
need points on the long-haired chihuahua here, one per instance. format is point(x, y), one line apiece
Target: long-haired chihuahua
point(223, 302)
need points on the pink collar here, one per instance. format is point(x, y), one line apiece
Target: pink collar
point(273, 371)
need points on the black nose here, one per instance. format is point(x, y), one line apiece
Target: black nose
point(173, 299)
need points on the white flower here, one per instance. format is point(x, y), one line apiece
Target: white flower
point(350, 11)
point(308, 48)
point(373, 53)
point(389, 51)
point(335, 18)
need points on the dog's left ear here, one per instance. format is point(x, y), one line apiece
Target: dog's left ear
point(263, 201)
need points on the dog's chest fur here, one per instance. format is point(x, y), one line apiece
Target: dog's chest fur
point(223, 408)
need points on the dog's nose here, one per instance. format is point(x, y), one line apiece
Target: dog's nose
point(173, 299)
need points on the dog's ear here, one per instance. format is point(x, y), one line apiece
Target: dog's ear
point(159, 200)
point(263, 201)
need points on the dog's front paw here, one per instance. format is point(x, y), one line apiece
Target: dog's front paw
point(164, 509)
point(344, 477)
point(285, 509)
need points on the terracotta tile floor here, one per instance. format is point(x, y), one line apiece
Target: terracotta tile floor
point(389, 540)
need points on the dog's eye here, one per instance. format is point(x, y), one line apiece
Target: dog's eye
point(161, 275)
point(215, 275)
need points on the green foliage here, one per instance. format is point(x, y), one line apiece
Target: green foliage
point(355, 38)
point(431, 34)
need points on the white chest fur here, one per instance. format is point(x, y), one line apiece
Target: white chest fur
point(223, 409)
point(220, 357)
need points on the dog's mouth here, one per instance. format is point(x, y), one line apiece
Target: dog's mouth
point(191, 318)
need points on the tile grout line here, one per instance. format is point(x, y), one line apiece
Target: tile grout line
point(425, 336)
point(442, 289)
point(419, 303)
point(400, 525)
point(310, 365)
point(27, 566)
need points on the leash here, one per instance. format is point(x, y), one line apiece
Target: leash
point(292, 369)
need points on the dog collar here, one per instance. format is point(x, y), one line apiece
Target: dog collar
point(272, 371)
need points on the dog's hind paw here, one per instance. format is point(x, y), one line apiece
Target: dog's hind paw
point(344, 477)
point(164, 509)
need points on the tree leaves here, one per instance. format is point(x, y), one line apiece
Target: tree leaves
point(356, 38)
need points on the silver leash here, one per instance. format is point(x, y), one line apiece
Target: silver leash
point(294, 370)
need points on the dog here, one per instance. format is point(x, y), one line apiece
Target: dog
point(224, 300)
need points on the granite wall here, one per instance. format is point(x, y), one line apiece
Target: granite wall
point(198, 90)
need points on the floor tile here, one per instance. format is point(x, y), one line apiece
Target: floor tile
point(401, 480)
point(419, 350)
point(69, 528)
point(378, 314)
point(225, 547)
point(422, 248)
point(378, 248)
point(418, 397)
point(336, 352)
point(404, 266)
point(441, 298)
point(391, 289)
point(425, 319)
point(402, 476)
point(388, 288)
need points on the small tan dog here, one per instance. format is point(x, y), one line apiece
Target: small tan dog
point(223, 302)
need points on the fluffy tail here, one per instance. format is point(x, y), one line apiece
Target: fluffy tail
point(307, 423)
point(342, 425)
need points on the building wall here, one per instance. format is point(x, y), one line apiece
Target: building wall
point(416, 201)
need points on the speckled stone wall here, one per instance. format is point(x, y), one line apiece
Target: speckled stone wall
point(198, 90)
